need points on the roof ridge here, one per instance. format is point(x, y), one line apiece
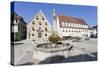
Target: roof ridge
point(72, 19)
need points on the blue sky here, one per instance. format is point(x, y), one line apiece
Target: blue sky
point(29, 9)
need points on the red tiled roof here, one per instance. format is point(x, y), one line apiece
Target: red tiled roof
point(70, 19)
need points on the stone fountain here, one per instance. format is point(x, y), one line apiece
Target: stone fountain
point(44, 51)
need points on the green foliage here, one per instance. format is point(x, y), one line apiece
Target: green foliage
point(33, 40)
point(54, 38)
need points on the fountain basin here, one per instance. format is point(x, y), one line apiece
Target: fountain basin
point(42, 53)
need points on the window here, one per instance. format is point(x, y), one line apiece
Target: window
point(45, 34)
point(39, 23)
point(29, 35)
point(32, 34)
point(15, 21)
point(63, 24)
point(33, 29)
point(14, 28)
point(45, 23)
point(39, 35)
point(33, 22)
point(43, 18)
point(66, 24)
point(37, 18)
point(39, 28)
point(46, 29)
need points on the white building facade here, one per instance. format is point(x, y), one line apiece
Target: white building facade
point(93, 31)
point(71, 26)
point(38, 29)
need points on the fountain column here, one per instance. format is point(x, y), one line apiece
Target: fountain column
point(54, 22)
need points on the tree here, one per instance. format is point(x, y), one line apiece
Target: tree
point(54, 38)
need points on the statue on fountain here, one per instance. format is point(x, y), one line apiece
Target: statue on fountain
point(54, 34)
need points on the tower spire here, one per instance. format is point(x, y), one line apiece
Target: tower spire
point(54, 12)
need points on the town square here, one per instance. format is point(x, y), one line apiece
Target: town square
point(82, 51)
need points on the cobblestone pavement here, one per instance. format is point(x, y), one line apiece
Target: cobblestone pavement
point(87, 46)
point(87, 50)
point(23, 52)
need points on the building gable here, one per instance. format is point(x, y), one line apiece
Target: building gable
point(39, 16)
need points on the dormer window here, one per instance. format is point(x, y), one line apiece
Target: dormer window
point(32, 34)
point(15, 21)
point(46, 29)
point(33, 29)
point(45, 34)
point(33, 22)
point(66, 24)
point(37, 18)
point(39, 23)
point(63, 24)
point(45, 23)
point(43, 18)
point(39, 28)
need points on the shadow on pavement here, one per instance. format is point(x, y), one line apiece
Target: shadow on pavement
point(54, 59)
point(25, 64)
point(62, 59)
point(81, 58)
point(27, 59)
